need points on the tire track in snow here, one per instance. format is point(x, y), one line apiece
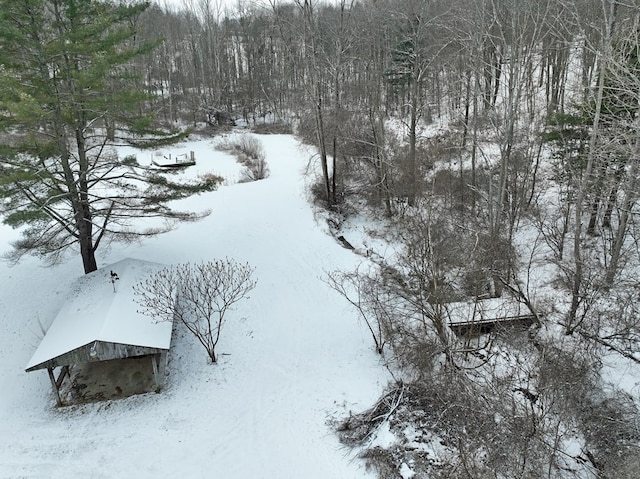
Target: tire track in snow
point(287, 411)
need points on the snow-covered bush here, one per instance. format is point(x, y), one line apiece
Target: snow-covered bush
point(254, 169)
point(249, 152)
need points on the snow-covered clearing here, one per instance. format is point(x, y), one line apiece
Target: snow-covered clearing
point(292, 356)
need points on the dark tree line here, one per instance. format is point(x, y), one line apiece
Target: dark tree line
point(511, 73)
point(364, 81)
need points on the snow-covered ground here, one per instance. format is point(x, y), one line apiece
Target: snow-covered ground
point(291, 357)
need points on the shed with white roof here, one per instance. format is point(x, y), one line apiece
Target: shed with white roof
point(100, 322)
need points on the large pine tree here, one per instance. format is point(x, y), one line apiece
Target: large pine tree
point(65, 87)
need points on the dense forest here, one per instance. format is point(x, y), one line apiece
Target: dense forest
point(510, 83)
point(497, 145)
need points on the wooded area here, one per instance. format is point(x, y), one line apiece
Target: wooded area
point(367, 81)
point(498, 140)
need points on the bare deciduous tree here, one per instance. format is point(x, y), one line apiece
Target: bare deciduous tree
point(364, 293)
point(198, 295)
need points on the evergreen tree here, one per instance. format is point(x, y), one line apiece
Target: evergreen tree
point(65, 87)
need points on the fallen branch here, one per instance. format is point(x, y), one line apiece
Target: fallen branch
point(608, 345)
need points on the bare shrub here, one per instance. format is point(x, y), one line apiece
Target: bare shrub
point(254, 170)
point(362, 291)
point(404, 301)
point(198, 295)
point(248, 147)
point(520, 415)
point(305, 127)
point(383, 461)
point(442, 414)
point(612, 432)
point(493, 258)
point(249, 152)
point(402, 178)
point(615, 324)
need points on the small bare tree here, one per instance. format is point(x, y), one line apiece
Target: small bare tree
point(361, 289)
point(199, 295)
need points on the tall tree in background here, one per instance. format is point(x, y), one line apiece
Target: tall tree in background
point(610, 8)
point(63, 76)
point(408, 72)
point(317, 91)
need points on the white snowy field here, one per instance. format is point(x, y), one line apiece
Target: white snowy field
point(291, 357)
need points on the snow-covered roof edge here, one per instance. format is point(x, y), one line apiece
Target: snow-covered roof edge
point(94, 312)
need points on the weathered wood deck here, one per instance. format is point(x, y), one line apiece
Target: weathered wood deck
point(474, 318)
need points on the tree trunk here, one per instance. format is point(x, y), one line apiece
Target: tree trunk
point(382, 186)
point(613, 194)
point(320, 135)
point(412, 170)
point(88, 255)
point(577, 280)
point(625, 213)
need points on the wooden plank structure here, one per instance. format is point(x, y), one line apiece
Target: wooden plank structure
point(179, 161)
point(474, 318)
point(100, 322)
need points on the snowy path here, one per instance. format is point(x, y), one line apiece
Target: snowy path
point(292, 356)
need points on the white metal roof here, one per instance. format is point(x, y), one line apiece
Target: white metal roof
point(94, 312)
